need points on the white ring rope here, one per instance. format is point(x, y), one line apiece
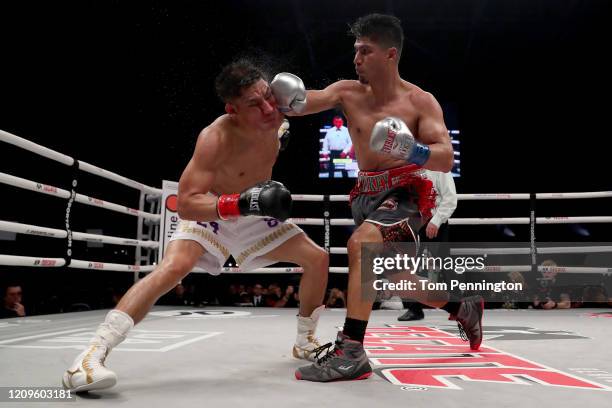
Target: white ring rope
point(77, 236)
point(69, 161)
point(480, 196)
point(307, 197)
point(491, 268)
point(341, 197)
point(35, 148)
point(572, 220)
point(525, 251)
point(558, 269)
point(497, 196)
point(525, 220)
point(90, 168)
point(108, 239)
point(556, 196)
point(96, 202)
point(80, 198)
point(79, 264)
point(105, 266)
point(473, 221)
point(32, 230)
point(320, 221)
point(306, 221)
point(14, 260)
point(332, 269)
point(575, 269)
point(508, 251)
point(33, 186)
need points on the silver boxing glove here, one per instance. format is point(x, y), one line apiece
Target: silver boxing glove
point(393, 137)
point(289, 92)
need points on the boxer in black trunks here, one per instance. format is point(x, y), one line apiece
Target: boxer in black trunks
point(396, 129)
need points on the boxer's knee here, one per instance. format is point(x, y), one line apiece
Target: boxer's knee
point(179, 260)
point(175, 269)
point(353, 245)
point(367, 233)
point(315, 260)
point(320, 261)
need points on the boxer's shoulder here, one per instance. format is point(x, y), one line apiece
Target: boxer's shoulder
point(350, 91)
point(213, 141)
point(344, 88)
point(421, 99)
point(349, 86)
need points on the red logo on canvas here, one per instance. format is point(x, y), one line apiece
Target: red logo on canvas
point(422, 356)
point(600, 314)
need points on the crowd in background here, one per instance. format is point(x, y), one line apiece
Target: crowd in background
point(540, 294)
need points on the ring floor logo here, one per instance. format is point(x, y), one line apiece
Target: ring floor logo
point(600, 314)
point(420, 357)
point(201, 314)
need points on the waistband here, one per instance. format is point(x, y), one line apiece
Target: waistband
point(378, 181)
point(411, 177)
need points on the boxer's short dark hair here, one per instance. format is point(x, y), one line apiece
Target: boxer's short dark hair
point(383, 29)
point(237, 76)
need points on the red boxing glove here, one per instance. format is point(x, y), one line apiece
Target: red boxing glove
point(227, 206)
point(268, 199)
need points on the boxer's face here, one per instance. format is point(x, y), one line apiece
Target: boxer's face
point(256, 107)
point(371, 59)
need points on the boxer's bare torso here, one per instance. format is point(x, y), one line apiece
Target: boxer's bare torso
point(408, 102)
point(232, 154)
point(244, 158)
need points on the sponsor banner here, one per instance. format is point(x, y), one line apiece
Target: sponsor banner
point(169, 215)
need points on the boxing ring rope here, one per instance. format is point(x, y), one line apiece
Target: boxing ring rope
point(146, 192)
point(475, 196)
point(69, 161)
point(526, 220)
point(155, 218)
point(539, 196)
point(488, 268)
point(273, 270)
point(525, 251)
point(472, 221)
point(77, 236)
point(79, 198)
point(13, 260)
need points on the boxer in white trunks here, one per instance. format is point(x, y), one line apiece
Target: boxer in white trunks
point(228, 205)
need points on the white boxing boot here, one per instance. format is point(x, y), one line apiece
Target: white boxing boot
point(306, 342)
point(88, 371)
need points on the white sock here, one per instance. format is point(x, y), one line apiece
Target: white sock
point(114, 329)
point(308, 325)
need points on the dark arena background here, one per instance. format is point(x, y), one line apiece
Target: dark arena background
point(128, 86)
